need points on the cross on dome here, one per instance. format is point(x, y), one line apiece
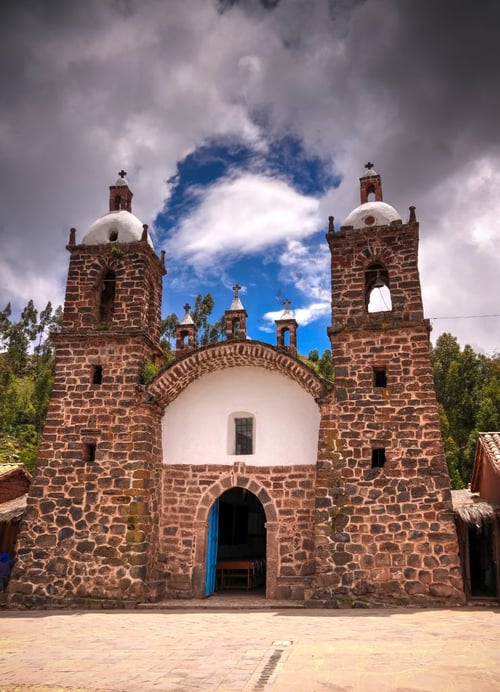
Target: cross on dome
point(122, 173)
point(236, 289)
point(369, 165)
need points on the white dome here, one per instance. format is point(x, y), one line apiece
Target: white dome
point(372, 214)
point(115, 227)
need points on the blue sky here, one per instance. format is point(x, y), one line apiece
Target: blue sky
point(271, 270)
point(243, 125)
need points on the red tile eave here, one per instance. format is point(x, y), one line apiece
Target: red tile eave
point(476, 474)
point(484, 455)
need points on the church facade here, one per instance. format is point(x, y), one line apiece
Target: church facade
point(238, 466)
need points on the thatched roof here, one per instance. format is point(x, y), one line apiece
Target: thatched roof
point(8, 469)
point(470, 508)
point(12, 509)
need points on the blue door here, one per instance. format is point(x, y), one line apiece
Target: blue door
point(212, 546)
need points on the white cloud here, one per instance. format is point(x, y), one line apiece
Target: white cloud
point(308, 266)
point(243, 215)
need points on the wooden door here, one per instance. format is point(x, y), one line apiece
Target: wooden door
point(212, 548)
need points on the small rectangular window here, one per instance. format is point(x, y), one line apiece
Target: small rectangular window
point(243, 428)
point(380, 377)
point(97, 374)
point(378, 457)
point(89, 452)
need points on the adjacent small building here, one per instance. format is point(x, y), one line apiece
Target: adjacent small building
point(14, 485)
point(477, 512)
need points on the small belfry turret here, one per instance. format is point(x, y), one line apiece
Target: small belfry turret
point(286, 330)
point(370, 185)
point(236, 317)
point(185, 334)
point(120, 195)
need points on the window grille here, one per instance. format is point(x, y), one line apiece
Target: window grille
point(243, 428)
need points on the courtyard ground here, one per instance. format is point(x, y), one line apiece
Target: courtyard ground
point(280, 649)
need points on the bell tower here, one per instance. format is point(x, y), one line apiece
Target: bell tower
point(92, 490)
point(390, 505)
point(235, 317)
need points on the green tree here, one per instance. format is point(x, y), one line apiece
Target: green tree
point(451, 451)
point(322, 365)
point(467, 389)
point(207, 332)
point(26, 376)
point(325, 365)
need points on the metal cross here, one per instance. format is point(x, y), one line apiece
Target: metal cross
point(236, 289)
point(369, 165)
point(187, 307)
point(287, 304)
point(122, 173)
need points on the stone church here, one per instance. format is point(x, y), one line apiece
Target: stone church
point(237, 467)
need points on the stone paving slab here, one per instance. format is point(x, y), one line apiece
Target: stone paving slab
point(250, 650)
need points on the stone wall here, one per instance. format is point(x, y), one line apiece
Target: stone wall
point(385, 534)
point(352, 252)
point(137, 295)
point(84, 532)
point(287, 496)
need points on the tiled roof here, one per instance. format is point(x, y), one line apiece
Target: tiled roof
point(491, 445)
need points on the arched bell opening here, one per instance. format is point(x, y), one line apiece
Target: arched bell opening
point(370, 193)
point(284, 337)
point(377, 289)
point(106, 298)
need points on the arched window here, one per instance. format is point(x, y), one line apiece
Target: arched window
point(377, 289)
point(107, 297)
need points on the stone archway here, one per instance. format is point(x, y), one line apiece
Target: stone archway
point(213, 493)
point(169, 383)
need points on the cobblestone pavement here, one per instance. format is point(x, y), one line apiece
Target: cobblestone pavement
point(259, 650)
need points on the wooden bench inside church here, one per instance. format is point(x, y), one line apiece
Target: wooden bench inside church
point(240, 573)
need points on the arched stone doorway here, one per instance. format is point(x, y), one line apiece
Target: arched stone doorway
point(236, 544)
point(246, 534)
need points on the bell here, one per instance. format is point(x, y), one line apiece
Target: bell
point(378, 281)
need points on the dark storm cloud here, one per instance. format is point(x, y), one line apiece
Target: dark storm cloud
point(434, 67)
point(91, 86)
